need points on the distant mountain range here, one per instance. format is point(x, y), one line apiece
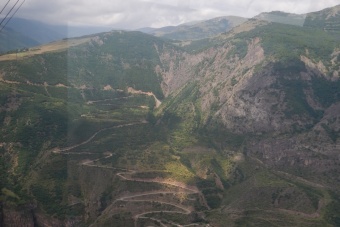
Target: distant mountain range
point(282, 17)
point(196, 30)
point(22, 33)
point(209, 28)
point(327, 19)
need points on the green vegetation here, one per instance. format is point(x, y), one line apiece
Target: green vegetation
point(199, 45)
point(220, 137)
point(327, 92)
point(288, 42)
point(295, 97)
point(42, 116)
point(240, 48)
point(182, 116)
point(322, 20)
point(199, 30)
point(94, 65)
point(332, 211)
point(77, 144)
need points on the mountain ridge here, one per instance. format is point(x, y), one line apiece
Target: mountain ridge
point(253, 112)
point(30, 33)
point(198, 29)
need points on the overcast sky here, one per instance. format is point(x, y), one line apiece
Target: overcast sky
point(131, 14)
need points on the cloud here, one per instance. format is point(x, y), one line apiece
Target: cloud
point(130, 14)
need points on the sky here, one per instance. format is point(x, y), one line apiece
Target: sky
point(133, 14)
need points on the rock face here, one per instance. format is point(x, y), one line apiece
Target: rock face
point(289, 105)
point(243, 98)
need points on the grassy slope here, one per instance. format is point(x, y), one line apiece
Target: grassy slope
point(96, 63)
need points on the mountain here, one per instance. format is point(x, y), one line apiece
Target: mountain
point(128, 129)
point(197, 30)
point(166, 29)
point(328, 19)
point(146, 29)
point(11, 40)
point(41, 32)
point(282, 17)
point(23, 33)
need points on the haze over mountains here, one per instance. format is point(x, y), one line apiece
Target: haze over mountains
point(124, 128)
point(22, 33)
point(197, 30)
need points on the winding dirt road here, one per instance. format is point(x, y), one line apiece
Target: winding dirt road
point(125, 175)
point(134, 198)
point(60, 150)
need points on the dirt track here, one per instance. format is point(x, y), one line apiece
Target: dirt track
point(133, 198)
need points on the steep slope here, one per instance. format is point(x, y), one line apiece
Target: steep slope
point(327, 19)
point(97, 62)
point(78, 112)
point(247, 61)
point(275, 90)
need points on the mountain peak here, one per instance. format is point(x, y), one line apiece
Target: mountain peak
point(282, 17)
point(327, 19)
